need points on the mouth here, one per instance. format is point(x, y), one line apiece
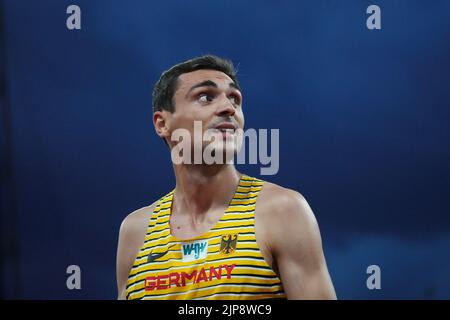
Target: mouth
point(226, 127)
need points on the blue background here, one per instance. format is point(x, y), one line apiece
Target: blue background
point(363, 118)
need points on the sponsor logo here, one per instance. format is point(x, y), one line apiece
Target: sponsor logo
point(153, 256)
point(194, 250)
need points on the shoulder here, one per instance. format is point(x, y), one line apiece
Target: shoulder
point(131, 238)
point(135, 219)
point(135, 224)
point(282, 202)
point(286, 216)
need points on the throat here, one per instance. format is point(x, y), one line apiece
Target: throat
point(186, 227)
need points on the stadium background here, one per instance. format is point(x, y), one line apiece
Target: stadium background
point(363, 118)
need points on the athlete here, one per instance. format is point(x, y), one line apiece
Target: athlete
point(219, 234)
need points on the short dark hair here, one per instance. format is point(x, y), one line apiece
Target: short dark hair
point(165, 87)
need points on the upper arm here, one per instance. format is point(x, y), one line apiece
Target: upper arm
point(131, 238)
point(297, 249)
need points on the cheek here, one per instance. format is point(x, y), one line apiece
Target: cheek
point(186, 121)
point(182, 118)
point(187, 115)
point(194, 112)
point(240, 117)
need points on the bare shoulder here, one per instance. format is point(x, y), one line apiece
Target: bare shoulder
point(277, 202)
point(131, 238)
point(286, 216)
point(133, 229)
point(135, 221)
point(293, 238)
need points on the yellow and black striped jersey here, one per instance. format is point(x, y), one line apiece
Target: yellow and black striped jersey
point(224, 263)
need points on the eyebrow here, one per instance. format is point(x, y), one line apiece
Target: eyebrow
point(210, 83)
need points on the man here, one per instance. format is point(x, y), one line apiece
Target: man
point(207, 239)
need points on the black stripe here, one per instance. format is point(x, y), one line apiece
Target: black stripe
point(258, 276)
point(154, 231)
point(246, 233)
point(209, 261)
point(244, 204)
point(251, 186)
point(264, 276)
point(241, 265)
point(240, 211)
point(255, 293)
point(159, 214)
point(221, 220)
point(229, 292)
point(246, 197)
point(211, 287)
point(161, 222)
point(199, 267)
point(218, 244)
point(147, 241)
point(244, 226)
point(160, 204)
point(162, 245)
point(247, 192)
point(234, 219)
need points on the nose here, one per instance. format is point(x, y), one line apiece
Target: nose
point(226, 108)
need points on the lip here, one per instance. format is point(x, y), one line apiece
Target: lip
point(225, 125)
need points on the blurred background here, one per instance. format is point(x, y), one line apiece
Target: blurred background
point(363, 118)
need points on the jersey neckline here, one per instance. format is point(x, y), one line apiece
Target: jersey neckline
point(207, 233)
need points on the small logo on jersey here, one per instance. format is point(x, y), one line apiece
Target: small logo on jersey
point(153, 256)
point(228, 243)
point(194, 250)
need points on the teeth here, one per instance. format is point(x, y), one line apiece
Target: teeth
point(231, 130)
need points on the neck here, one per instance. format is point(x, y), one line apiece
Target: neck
point(202, 188)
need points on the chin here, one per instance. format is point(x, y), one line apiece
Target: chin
point(218, 154)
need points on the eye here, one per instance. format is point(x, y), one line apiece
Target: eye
point(235, 99)
point(204, 97)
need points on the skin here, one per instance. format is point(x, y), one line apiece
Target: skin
point(286, 228)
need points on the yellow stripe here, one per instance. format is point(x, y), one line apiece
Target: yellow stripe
point(237, 283)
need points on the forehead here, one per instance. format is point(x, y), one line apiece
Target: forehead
point(187, 80)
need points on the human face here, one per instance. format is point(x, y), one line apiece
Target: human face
point(212, 98)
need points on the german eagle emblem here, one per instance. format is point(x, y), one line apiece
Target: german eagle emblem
point(228, 243)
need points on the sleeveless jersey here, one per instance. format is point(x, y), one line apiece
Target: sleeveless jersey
point(223, 263)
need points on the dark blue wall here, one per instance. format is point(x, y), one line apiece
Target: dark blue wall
point(363, 118)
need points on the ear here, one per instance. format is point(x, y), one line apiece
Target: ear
point(160, 122)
